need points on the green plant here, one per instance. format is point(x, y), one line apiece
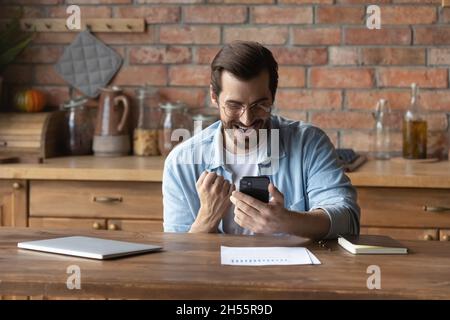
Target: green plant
point(12, 41)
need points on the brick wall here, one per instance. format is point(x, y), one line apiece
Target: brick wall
point(332, 68)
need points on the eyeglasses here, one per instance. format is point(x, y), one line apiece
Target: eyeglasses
point(236, 110)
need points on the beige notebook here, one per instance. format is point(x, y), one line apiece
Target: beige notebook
point(371, 244)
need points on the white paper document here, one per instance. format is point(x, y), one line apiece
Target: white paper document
point(264, 256)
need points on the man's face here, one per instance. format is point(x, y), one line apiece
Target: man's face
point(249, 94)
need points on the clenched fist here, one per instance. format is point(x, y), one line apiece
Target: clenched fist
point(214, 193)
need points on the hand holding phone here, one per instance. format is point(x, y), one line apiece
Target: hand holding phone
point(256, 187)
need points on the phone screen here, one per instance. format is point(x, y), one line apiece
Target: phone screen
point(256, 187)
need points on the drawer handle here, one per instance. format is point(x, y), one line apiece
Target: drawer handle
point(446, 237)
point(113, 226)
point(96, 226)
point(107, 199)
point(435, 209)
point(428, 237)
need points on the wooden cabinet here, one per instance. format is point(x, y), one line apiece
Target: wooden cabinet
point(13, 203)
point(405, 213)
point(129, 206)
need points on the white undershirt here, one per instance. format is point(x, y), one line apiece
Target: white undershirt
point(241, 165)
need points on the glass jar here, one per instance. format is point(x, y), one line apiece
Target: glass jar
point(80, 127)
point(414, 129)
point(203, 118)
point(382, 139)
point(145, 136)
point(174, 126)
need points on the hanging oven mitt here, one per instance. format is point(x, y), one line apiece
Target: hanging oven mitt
point(88, 64)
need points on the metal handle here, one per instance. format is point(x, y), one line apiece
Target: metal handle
point(105, 199)
point(16, 185)
point(113, 226)
point(428, 237)
point(96, 226)
point(435, 209)
point(446, 237)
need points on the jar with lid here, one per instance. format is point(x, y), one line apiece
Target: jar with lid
point(145, 137)
point(174, 126)
point(80, 126)
point(203, 118)
point(382, 139)
point(414, 129)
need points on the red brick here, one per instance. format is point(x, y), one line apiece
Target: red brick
point(344, 56)
point(189, 75)
point(408, 15)
point(127, 38)
point(293, 114)
point(37, 2)
point(41, 54)
point(299, 56)
point(432, 35)
point(99, 1)
point(308, 99)
point(189, 34)
point(169, 54)
point(241, 1)
point(169, 1)
point(322, 77)
point(363, 141)
point(264, 35)
point(383, 36)
point(193, 97)
point(438, 56)
point(86, 12)
point(393, 56)
point(418, 1)
point(291, 77)
point(403, 77)
point(340, 15)
point(280, 15)
point(364, 1)
point(8, 12)
point(205, 55)
point(47, 75)
point(140, 75)
point(342, 120)
point(316, 36)
point(445, 15)
point(151, 14)
point(367, 99)
point(215, 14)
point(435, 100)
point(305, 1)
point(17, 74)
point(436, 121)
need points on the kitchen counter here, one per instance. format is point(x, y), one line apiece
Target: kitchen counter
point(82, 168)
point(392, 173)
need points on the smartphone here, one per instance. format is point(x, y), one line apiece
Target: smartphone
point(256, 187)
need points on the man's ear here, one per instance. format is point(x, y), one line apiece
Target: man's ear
point(214, 97)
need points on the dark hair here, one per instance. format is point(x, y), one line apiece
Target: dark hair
point(245, 60)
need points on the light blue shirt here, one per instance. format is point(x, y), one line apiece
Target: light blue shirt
point(301, 162)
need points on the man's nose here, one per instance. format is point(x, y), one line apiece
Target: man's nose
point(247, 117)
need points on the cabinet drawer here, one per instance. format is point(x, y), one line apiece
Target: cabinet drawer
point(67, 223)
point(93, 199)
point(136, 225)
point(403, 234)
point(404, 207)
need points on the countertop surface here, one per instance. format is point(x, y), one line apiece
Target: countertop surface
point(189, 267)
point(391, 173)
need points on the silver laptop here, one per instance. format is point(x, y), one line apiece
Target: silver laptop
point(88, 247)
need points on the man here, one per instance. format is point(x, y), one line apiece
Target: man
point(311, 196)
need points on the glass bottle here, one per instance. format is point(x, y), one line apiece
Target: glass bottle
point(414, 129)
point(174, 127)
point(382, 139)
point(80, 127)
point(145, 136)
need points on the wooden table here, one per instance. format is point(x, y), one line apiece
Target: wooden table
point(189, 268)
